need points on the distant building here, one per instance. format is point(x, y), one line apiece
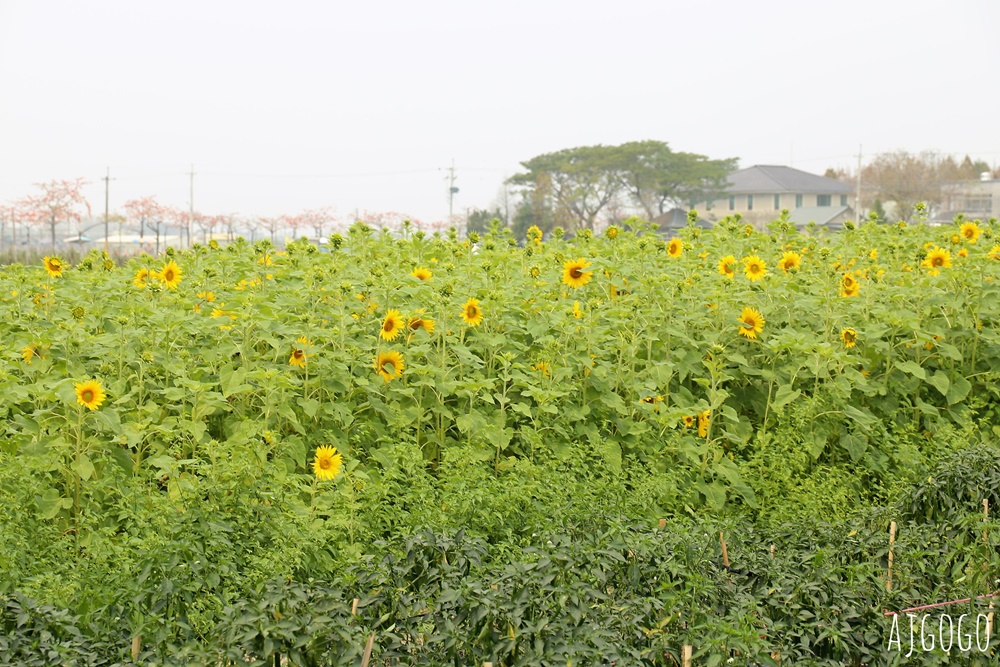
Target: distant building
point(759, 193)
point(973, 199)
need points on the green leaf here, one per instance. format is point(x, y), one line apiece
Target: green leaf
point(84, 467)
point(958, 391)
point(940, 382)
point(854, 444)
point(913, 368)
point(784, 396)
point(50, 503)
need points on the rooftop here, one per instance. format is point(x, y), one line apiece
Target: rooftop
point(768, 179)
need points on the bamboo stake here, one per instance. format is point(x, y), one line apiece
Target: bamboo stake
point(772, 552)
point(892, 540)
point(725, 551)
point(354, 607)
point(986, 565)
point(686, 656)
point(368, 651)
point(136, 646)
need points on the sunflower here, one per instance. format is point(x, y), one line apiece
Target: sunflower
point(727, 266)
point(970, 231)
point(675, 248)
point(574, 274)
point(790, 260)
point(963, 253)
point(421, 273)
point(849, 337)
point(651, 400)
point(751, 322)
point(937, 259)
point(535, 272)
point(53, 266)
point(392, 325)
point(611, 232)
point(418, 322)
point(873, 254)
point(299, 355)
point(994, 253)
point(472, 314)
point(849, 286)
point(754, 268)
point(689, 420)
point(704, 418)
point(327, 464)
point(89, 394)
point(956, 239)
point(534, 234)
point(542, 367)
point(577, 313)
point(170, 274)
point(30, 352)
point(389, 365)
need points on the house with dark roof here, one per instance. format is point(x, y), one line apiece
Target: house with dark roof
point(759, 193)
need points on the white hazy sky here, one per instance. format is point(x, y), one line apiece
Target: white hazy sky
point(295, 105)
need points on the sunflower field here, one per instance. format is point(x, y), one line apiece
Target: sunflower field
point(426, 450)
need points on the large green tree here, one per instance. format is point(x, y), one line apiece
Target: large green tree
point(657, 178)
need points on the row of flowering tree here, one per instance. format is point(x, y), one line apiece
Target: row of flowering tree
point(62, 203)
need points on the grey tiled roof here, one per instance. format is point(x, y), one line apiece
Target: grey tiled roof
point(770, 179)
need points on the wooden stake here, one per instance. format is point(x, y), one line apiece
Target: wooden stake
point(487, 664)
point(354, 607)
point(892, 540)
point(986, 565)
point(686, 656)
point(136, 646)
point(772, 552)
point(725, 551)
point(368, 651)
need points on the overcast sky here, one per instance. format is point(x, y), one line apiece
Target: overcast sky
point(295, 105)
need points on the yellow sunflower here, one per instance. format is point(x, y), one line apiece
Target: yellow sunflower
point(472, 314)
point(611, 232)
point(963, 253)
point(389, 365)
point(849, 286)
point(142, 278)
point(30, 352)
point(873, 255)
point(727, 266)
point(689, 420)
point(392, 325)
point(704, 418)
point(534, 234)
point(849, 337)
point(994, 253)
point(421, 273)
point(170, 274)
point(89, 394)
point(418, 322)
point(542, 367)
point(790, 260)
point(751, 322)
point(574, 274)
point(675, 248)
point(970, 231)
point(577, 313)
point(299, 354)
point(53, 266)
point(956, 239)
point(754, 268)
point(327, 463)
point(937, 259)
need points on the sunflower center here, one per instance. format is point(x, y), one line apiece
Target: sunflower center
point(168, 275)
point(754, 268)
point(87, 395)
point(415, 324)
point(325, 464)
point(388, 326)
point(937, 261)
point(473, 311)
point(298, 354)
point(574, 272)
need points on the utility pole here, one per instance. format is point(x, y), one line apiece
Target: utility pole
point(107, 190)
point(451, 190)
point(191, 210)
point(857, 196)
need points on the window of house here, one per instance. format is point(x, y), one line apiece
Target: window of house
point(843, 200)
point(749, 202)
point(777, 202)
point(822, 200)
point(798, 201)
point(732, 203)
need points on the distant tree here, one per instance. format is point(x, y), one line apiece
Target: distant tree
point(479, 219)
point(580, 181)
point(658, 179)
point(906, 178)
point(878, 210)
point(318, 219)
point(58, 202)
